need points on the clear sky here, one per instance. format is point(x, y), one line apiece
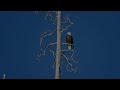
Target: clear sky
point(96, 37)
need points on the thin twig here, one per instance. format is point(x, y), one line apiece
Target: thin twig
point(67, 20)
point(53, 53)
point(44, 34)
point(73, 59)
point(50, 49)
point(43, 54)
point(49, 14)
point(44, 51)
point(68, 63)
point(66, 50)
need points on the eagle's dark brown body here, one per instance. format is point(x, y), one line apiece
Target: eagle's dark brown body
point(69, 40)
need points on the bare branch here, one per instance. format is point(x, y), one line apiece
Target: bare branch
point(64, 18)
point(71, 57)
point(43, 54)
point(69, 64)
point(67, 44)
point(44, 34)
point(48, 14)
point(44, 51)
point(66, 50)
point(50, 49)
point(52, 18)
point(70, 69)
point(74, 60)
point(67, 19)
point(53, 53)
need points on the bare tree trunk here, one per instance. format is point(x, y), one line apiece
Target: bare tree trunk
point(58, 52)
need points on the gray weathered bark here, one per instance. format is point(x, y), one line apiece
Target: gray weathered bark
point(58, 49)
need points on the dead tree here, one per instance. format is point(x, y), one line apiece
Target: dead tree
point(59, 51)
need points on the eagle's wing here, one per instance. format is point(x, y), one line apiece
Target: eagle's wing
point(69, 39)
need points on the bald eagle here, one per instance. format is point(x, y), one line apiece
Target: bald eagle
point(69, 40)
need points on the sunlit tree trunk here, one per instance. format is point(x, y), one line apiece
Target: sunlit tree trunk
point(58, 52)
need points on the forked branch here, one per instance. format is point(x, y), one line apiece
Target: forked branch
point(44, 51)
point(52, 18)
point(67, 19)
point(68, 59)
point(72, 68)
point(45, 34)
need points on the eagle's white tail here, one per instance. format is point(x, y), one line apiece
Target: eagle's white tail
point(69, 47)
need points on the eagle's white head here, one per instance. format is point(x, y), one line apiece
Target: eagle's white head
point(68, 33)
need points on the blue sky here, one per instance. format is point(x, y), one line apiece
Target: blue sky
point(96, 37)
